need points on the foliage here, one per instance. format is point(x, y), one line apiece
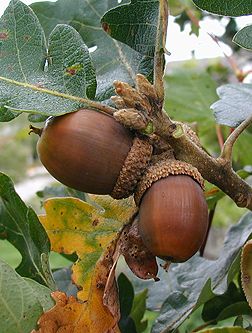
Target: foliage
point(20, 313)
point(56, 57)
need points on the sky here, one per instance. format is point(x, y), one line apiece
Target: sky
point(182, 44)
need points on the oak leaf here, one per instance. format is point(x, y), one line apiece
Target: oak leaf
point(75, 226)
point(70, 315)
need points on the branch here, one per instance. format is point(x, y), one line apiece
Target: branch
point(159, 49)
point(217, 171)
point(143, 104)
point(226, 153)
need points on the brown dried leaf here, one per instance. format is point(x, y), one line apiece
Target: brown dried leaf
point(139, 259)
point(67, 315)
point(72, 316)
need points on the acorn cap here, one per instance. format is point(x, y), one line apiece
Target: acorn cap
point(162, 169)
point(134, 166)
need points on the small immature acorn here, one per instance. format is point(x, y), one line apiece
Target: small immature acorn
point(173, 214)
point(91, 152)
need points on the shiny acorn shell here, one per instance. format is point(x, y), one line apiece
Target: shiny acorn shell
point(173, 218)
point(84, 150)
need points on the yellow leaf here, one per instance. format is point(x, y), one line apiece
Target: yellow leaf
point(72, 316)
point(77, 226)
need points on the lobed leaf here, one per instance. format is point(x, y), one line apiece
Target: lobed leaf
point(20, 226)
point(76, 226)
point(91, 316)
point(22, 301)
point(34, 79)
point(233, 107)
point(243, 37)
point(198, 280)
point(226, 7)
point(112, 59)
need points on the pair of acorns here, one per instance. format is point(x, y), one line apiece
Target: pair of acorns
point(91, 152)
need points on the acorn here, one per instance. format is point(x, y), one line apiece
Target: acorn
point(91, 152)
point(173, 213)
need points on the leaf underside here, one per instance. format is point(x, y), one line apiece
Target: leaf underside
point(234, 104)
point(198, 280)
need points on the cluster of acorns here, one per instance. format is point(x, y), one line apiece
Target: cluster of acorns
point(92, 152)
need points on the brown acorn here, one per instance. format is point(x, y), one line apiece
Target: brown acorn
point(173, 214)
point(88, 150)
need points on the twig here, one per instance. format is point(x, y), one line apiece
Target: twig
point(159, 49)
point(219, 135)
point(217, 171)
point(226, 153)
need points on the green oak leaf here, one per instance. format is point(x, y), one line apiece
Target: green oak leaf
point(34, 79)
point(112, 60)
point(22, 301)
point(126, 297)
point(232, 303)
point(20, 225)
point(198, 280)
point(134, 24)
point(243, 37)
point(226, 7)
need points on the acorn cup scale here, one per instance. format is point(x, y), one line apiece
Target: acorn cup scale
point(85, 150)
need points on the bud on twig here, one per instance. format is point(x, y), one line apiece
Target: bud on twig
point(131, 118)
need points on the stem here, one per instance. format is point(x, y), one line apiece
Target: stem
point(219, 135)
point(226, 153)
point(199, 328)
point(159, 49)
point(210, 220)
point(93, 104)
point(35, 130)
